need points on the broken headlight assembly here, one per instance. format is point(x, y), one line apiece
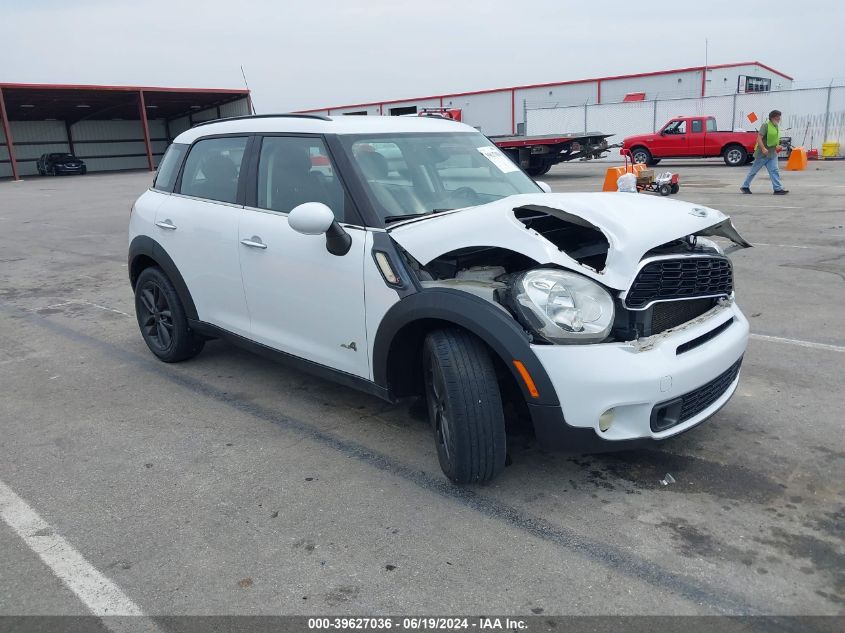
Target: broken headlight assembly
point(562, 307)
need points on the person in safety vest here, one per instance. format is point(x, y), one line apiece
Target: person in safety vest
point(766, 154)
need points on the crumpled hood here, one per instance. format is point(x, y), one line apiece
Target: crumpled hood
point(633, 224)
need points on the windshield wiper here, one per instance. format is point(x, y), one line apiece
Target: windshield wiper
point(393, 218)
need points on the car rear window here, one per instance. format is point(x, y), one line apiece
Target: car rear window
point(168, 168)
point(213, 167)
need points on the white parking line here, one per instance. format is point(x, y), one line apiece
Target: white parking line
point(763, 206)
point(99, 594)
point(84, 302)
point(787, 245)
point(798, 342)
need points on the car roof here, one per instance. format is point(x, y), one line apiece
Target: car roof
point(305, 124)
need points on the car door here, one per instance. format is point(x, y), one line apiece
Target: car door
point(666, 143)
point(712, 144)
point(198, 227)
point(697, 137)
point(302, 300)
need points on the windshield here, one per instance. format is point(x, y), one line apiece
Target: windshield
point(410, 175)
point(62, 156)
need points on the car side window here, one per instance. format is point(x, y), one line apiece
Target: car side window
point(711, 125)
point(168, 168)
point(213, 167)
point(675, 127)
point(696, 126)
point(293, 170)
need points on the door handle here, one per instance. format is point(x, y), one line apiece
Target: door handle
point(166, 224)
point(254, 242)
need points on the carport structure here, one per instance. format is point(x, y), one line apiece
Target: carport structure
point(109, 127)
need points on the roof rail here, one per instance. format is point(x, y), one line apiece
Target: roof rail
point(290, 115)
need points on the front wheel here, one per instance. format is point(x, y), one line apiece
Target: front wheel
point(464, 406)
point(735, 155)
point(641, 156)
point(162, 319)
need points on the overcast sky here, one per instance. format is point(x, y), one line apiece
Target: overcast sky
point(328, 52)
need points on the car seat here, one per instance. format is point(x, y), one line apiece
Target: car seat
point(293, 183)
point(221, 178)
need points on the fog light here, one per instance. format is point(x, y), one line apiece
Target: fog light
point(606, 419)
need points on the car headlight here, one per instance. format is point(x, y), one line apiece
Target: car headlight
point(563, 307)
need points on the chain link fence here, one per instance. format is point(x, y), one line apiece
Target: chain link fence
point(811, 116)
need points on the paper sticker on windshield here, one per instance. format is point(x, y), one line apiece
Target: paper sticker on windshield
point(495, 156)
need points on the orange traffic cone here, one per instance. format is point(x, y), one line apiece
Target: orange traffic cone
point(611, 176)
point(797, 160)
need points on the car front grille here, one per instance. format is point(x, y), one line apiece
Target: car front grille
point(669, 314)
point(679, 279)
point(673, 412)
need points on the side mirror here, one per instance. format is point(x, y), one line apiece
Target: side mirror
point(544, 186)
point(315, 218)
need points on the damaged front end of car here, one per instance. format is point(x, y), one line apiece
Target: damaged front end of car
point(575, 277)
point(625, 305)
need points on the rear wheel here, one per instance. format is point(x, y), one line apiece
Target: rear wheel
point(676, 188)
point(162, 319)
point(464, 406)
point(539, 169)
point(641, 156)
point(665, 190)
point(735, 155)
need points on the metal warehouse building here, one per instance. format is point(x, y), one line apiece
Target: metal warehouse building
point(109, 127)
point(502, 110)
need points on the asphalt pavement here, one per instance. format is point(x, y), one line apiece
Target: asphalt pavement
point(232, 485)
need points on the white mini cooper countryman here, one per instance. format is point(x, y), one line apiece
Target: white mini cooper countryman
point(409, 256)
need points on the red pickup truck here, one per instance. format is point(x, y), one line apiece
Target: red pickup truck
point(692, 137)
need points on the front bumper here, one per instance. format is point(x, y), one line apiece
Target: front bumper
point(633, 379)
point(69, 170)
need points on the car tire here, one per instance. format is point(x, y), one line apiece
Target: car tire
point(676, 188)
point(539, 170)
point(641, 155)
point(464, 406)
point(735, 155)
point(161, 318)
point(665, 190)
point(655, 161)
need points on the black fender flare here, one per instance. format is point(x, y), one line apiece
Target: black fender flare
point(498, 329)
point(143, 245)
